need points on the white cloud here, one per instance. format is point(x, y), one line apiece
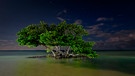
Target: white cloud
point(123, 35)
point(12, 45)
point(59, 15)
point(78, 21)
point(65, 11)
point(96, 30)
point(62, 12)
point(60, 18)
point(16, 47)
point(123, 39)
point(104, 19)
point(6, 42)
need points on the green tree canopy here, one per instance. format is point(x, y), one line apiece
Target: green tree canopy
point(54, 36)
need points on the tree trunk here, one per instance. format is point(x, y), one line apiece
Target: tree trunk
point(68, 49)
point(58, 52)
point(53, 53)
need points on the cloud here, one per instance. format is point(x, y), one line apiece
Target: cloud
point(62, 12)
point(123, 35)
point(96, 26)
point(16, 47)
point(6, 42)
point(122, 39)
point(60, 18)
point(104, 19)
point(78, 21)
point(12, 45)
point(95, 29)
point(60, 15)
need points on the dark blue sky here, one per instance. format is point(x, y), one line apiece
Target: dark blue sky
point(111, 23)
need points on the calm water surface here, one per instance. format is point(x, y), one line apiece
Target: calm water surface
point(107, 64)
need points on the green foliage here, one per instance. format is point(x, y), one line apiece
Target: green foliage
point(48, 38)
point(29, 35)
point(83, 47)
point(92, 54)
point(62, 34)
point(49, 49)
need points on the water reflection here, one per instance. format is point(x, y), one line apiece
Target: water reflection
point(123, 64)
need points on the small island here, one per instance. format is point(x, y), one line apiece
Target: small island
point(62, 40)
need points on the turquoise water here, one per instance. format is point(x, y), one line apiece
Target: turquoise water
point(107, 64)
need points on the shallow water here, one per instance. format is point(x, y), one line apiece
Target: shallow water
point(104, 65)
